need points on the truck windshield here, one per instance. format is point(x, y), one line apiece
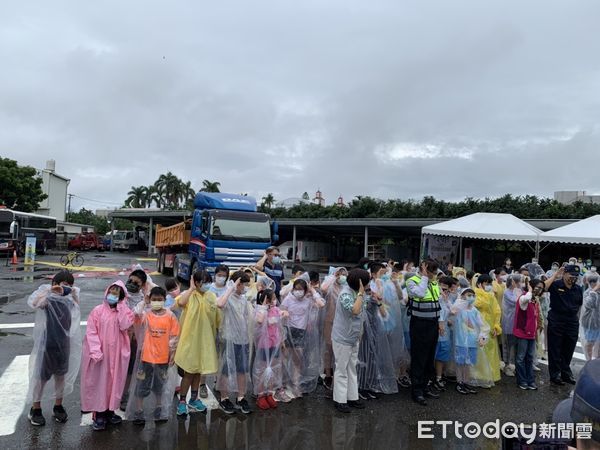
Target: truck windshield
point(228, 229)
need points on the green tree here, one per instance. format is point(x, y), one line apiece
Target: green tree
point(100, 224)
point(169, 190)
point(305, 196)
point(137, 197)
point(20, 186)
point(210, 186)
point(268, 201)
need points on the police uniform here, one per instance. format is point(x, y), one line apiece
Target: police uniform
point(563, 326)
point(424, 310)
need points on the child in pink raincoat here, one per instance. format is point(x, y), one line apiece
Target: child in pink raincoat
point(105, 356)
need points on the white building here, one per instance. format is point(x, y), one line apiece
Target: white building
point(568, 197)
point(55, 187)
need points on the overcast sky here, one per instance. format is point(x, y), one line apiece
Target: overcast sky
point(386, 98)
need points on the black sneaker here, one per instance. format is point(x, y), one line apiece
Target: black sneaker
point(439, 385)
point(328, 383)
point(243, 406)
point(372, 395)
point(404, 382)
point(356, 404)
point(59, 414)
point(99, 424)
point(124, 400)
point(471, 389)
point(362, 395)
point(226, 406)
point(36, 418)
point(203, 391)
point(114, 419)
point(461, 389)
point(342, 407)
point(138, 418)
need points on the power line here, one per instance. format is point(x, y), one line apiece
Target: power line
point(95, 201)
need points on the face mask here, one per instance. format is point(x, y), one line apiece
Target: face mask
point(386, 277)
point(503, 278)
point(276, 260)
point(66, 290)
point(342, 279)
point(534, 261)
point(508, 263)
point(112, 299)
point(245, 290)
point(220, 281)
point(157, 305)
point(554, 268)
point(298, 294)
point(452, 296)
point(470, 299)
point(489, 288)
point(204, 288)
point(572, 261)
point(132, 287)
point(365, 266)
point(175, 292)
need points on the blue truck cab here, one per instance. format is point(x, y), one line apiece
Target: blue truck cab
point(225, 229)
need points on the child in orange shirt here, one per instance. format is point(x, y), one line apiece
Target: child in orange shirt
point(155, 358)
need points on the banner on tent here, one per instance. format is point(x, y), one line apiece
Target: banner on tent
point(444, 249)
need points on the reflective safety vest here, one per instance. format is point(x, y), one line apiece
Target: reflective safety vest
point(427, 307)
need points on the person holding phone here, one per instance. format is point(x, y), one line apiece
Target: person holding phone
point(525, 330)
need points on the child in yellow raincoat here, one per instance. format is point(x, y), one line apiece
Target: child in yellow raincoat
point(196, 353)
point(487, 370)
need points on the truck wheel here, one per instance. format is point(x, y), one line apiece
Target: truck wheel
point(160, 263)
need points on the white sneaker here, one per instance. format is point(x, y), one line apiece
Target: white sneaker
point(509, 370)
point(502, 365)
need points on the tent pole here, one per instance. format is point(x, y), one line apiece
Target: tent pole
point(537, 250)
point(460, 252)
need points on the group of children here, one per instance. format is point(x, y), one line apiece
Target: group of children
point(235, 332)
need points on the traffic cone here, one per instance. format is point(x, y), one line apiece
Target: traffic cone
point(14, 261)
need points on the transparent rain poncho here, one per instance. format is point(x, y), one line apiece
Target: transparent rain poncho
point(393, 324)
point(331, 288)
point(267, 370)
point(469, 329)
point(55, 359)
point(154, 378)
point(302, 352)
point(375, 368)
point(590, 322)
point(235, 336)
point(535, 271)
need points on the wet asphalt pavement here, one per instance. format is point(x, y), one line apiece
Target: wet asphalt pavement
point(311, 422)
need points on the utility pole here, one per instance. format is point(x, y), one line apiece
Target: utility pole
point(69, 207)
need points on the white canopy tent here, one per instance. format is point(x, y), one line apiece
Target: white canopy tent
point(494, 226)
point(586, 231)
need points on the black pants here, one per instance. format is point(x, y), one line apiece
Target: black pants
point(423, 342)
point(562, 340)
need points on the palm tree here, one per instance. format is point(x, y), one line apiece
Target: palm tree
point(137, 197)
point(169, 189)
point(268, 200)
point(188, 195)
point(210, 186)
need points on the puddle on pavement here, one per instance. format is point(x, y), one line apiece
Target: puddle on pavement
point(37, 269)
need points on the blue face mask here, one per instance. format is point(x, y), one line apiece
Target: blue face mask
point(276, 260)
point(366, 266)
point(66, 290)
point(204, 288)
point(386, 277)
point(112, 299)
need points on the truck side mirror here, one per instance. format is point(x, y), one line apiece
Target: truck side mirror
point(14, 226)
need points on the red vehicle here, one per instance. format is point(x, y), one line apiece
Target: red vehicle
point(86, 241)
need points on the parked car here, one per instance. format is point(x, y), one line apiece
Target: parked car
point(86, 241)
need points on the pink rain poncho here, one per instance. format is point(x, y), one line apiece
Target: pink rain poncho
point(105, 355)
point(54, 360)
point(268, 337)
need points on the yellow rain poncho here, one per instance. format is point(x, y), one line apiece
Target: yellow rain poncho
point(197, 351)
point(487, 370)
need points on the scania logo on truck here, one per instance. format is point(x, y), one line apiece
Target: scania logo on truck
point(235, 200)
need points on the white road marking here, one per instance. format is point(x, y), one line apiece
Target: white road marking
point(13, 392)
point(12, 326)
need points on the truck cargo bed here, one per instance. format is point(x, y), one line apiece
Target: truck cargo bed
point(175, 235)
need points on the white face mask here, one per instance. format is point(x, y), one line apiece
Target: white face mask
point(298, 294)
point(157, 305)
point(489, 288)
point(220, 281)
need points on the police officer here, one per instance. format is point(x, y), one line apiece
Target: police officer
point(425, 326)
point(566, 299)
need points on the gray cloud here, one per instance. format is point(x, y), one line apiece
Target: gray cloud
point(450, 99)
